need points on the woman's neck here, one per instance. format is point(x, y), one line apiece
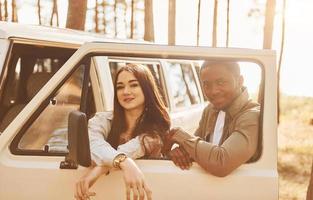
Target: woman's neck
point(131, 117)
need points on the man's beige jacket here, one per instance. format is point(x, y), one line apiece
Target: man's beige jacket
point(239, 141)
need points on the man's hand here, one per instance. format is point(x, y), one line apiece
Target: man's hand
point(168, 141)
point(180, 158)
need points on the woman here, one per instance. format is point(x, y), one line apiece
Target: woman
point(134, 130)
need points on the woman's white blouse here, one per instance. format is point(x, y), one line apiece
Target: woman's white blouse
point(102, 153)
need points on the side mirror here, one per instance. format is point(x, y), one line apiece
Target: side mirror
point(78, 142)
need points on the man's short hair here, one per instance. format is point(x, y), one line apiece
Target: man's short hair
point(231, 66)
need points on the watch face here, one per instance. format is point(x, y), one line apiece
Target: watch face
point(118, 159)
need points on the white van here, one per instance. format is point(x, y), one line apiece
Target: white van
point(33, 146)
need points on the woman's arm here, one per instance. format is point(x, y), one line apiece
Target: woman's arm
point(149, 145)
point(102, 153)
point(85, 182)
point(135, 180)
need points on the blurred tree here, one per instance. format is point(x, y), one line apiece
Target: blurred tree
point(115, 17)
point(39, 12)
point(149, 25)
point(309, 194)
point(268, 25)
point(6, 14)
point(171, 22)
point(97, 17)
point(280, 58)
point(227, 30)
point(54, 13)
point(0, 11)
point(198, 22)
point(125, 15)
point(76, 14)
point(132, 19)
point(14, 12)
point(104, 23)
point(214, 36)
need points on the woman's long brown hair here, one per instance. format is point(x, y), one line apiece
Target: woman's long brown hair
point(154, 119)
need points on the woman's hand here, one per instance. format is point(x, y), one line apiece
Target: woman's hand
point(82, 186)
point(135, 181)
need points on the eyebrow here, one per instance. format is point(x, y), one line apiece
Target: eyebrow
point(130, 81)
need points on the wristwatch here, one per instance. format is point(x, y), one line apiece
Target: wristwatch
point(118, 160)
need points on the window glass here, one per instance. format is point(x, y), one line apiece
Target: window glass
point(49, 131)
point(26, 63)
point(189, 78)
point(197, 67)
point(182, 85)
point(251, 73)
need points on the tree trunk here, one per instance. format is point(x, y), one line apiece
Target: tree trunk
point(0, 11)
point(6, 14)
point(309, 194)
point(76, 14)
point(104, 18)
point(14, 11)
point(39, 12)
point(280, 59)
point(227, 31)
point(96, 17)
point(149, 25)
point(171, 22)
point(198, 22)
point(54, 13)
point(125, 16)
point(268, 26)
point(115, 17)
point(132, 20)
point(214, 35)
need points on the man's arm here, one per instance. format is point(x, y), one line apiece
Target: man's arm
point(236, 150)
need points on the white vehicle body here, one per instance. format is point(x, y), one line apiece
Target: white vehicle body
point(33, 175)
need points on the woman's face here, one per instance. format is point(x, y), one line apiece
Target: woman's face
point(129, 92)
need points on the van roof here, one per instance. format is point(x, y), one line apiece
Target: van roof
point(14, 30)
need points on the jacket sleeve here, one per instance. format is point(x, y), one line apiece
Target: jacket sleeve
point(133, 148)
point(102, 153)
point(236, 150)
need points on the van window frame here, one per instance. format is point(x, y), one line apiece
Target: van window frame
point(14, 149)
point(119, 54)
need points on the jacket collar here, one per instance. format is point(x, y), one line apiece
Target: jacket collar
point(238, 103)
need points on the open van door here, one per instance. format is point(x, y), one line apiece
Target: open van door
point(34, 145)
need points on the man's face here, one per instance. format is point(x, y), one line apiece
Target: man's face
point(220, 86)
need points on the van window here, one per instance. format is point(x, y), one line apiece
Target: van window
point(4, 46)
point(48, 132)
point(182, 84)
point(21, 82)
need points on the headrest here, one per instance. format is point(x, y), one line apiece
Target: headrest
point(35, 82)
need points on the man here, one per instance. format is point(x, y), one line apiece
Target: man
point(227, 135)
